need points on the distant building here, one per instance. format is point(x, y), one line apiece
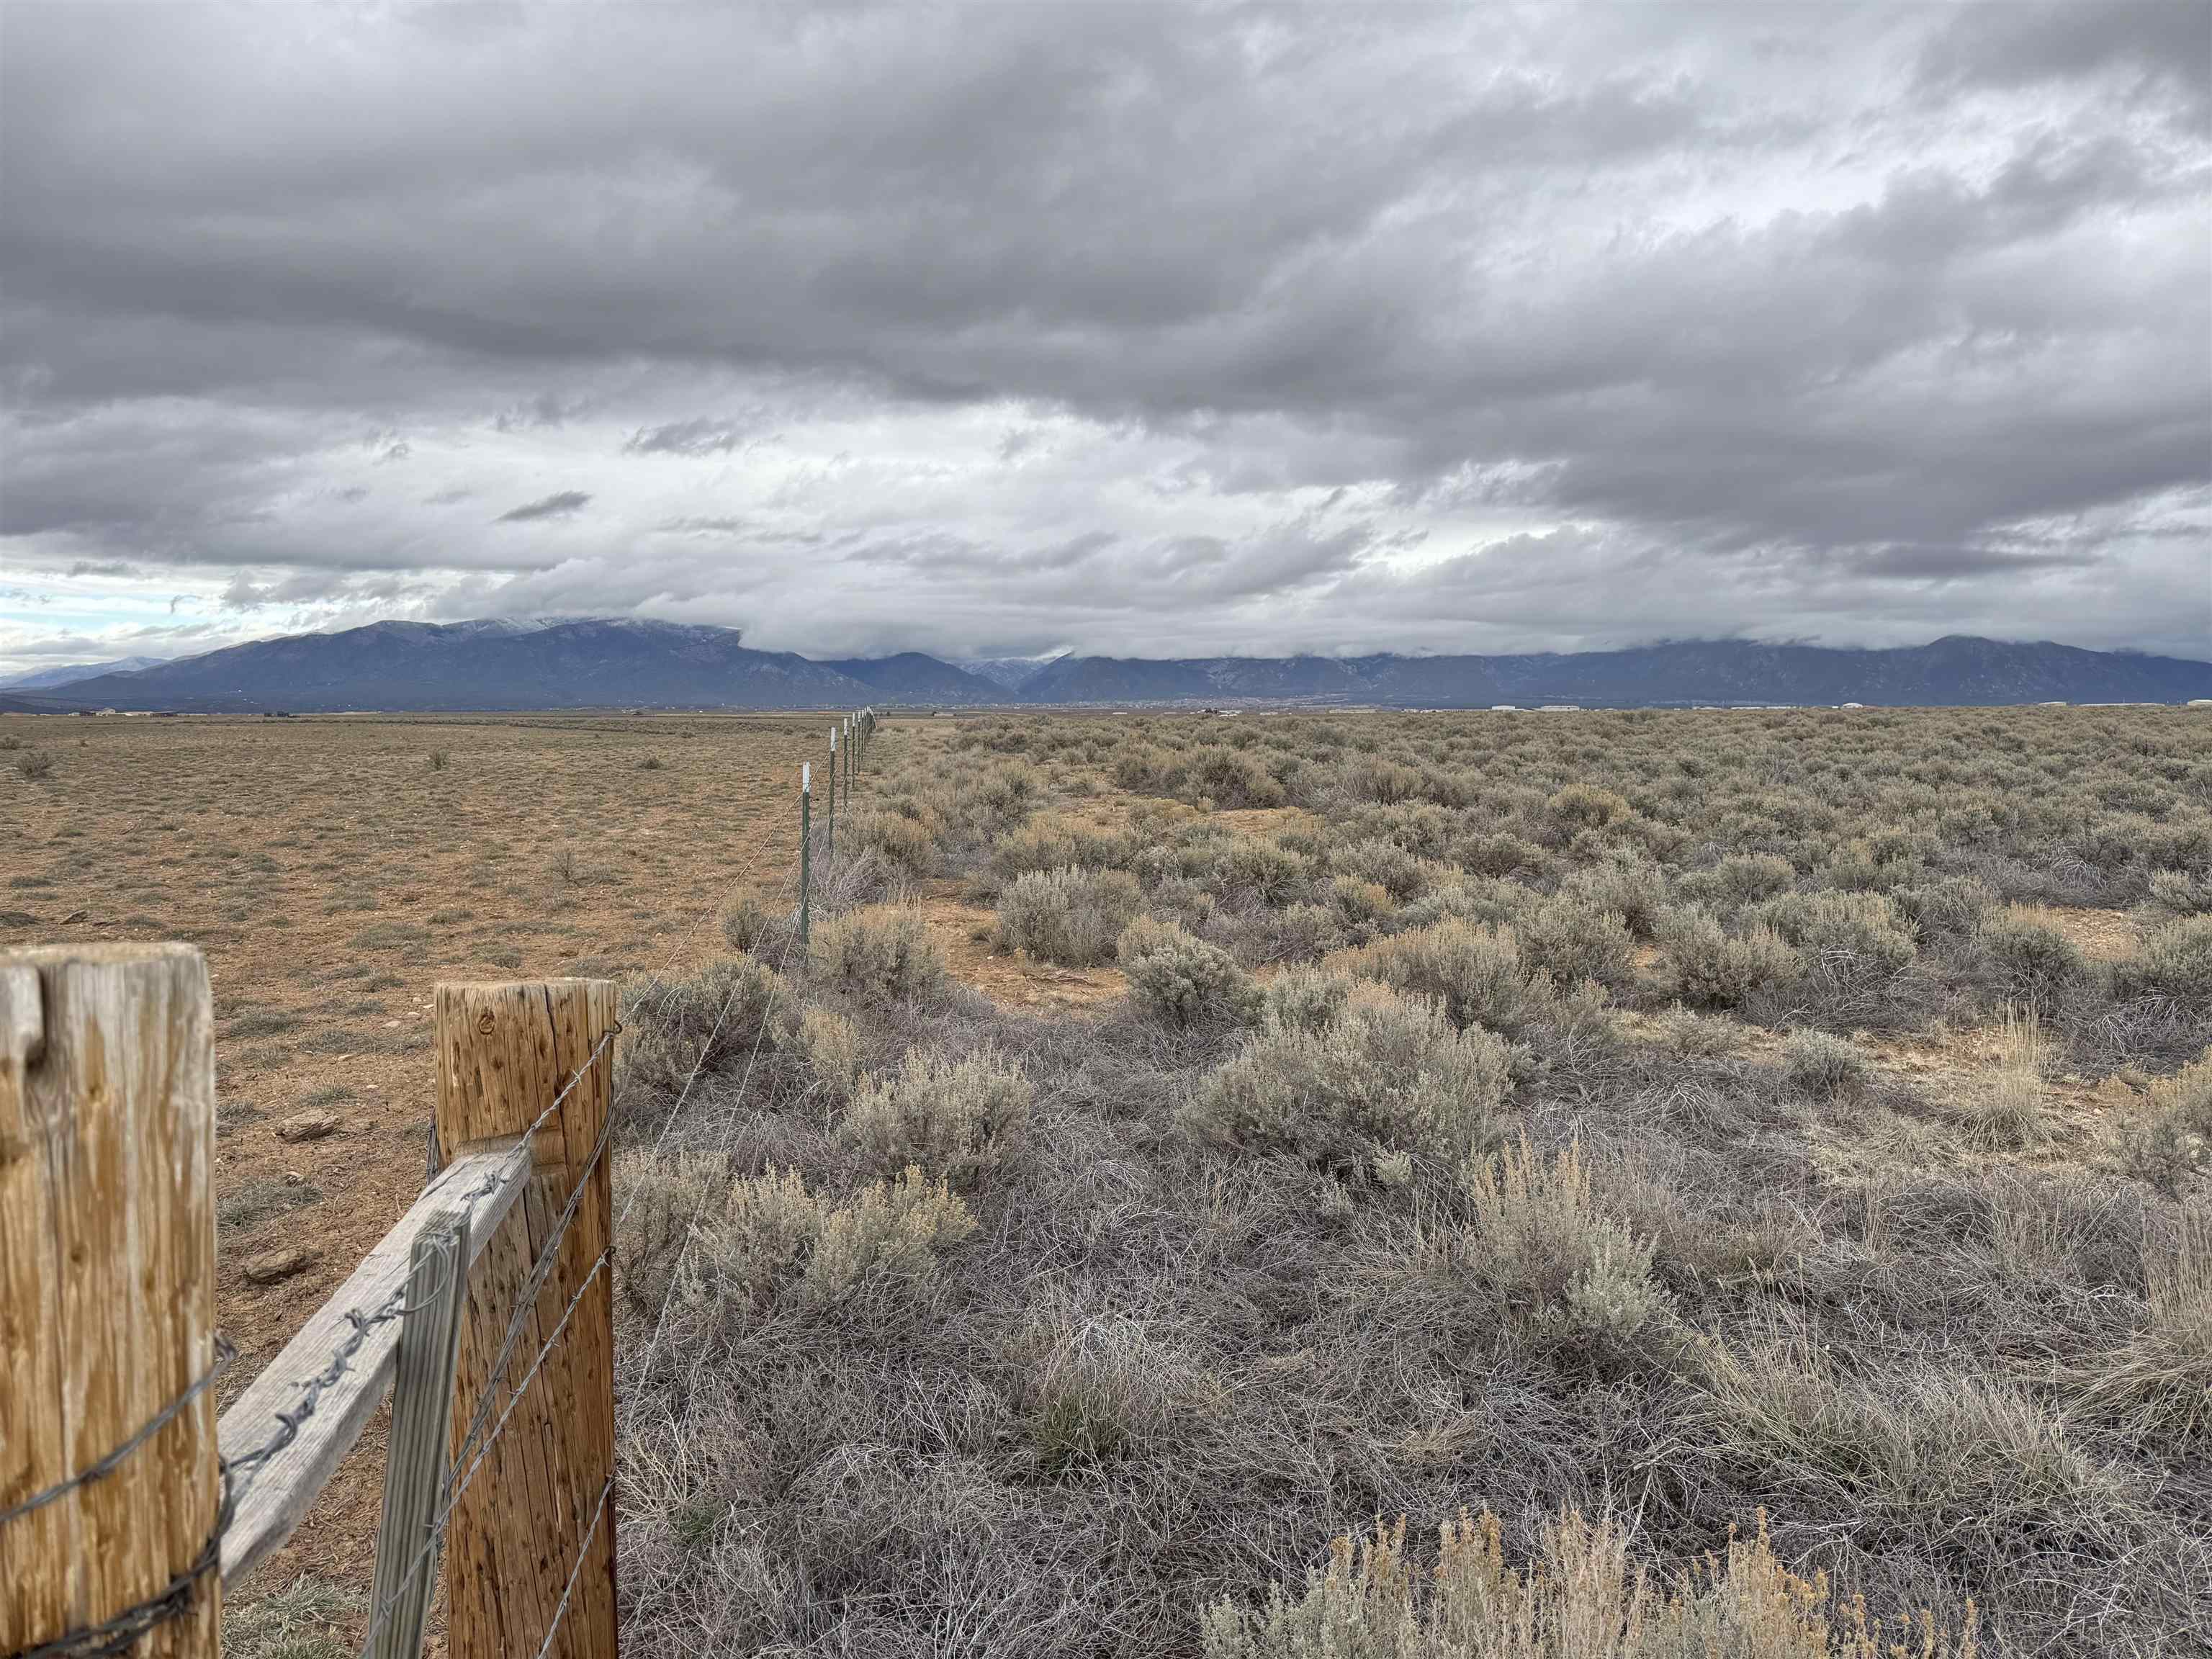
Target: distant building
point(1852, 705)
point(1558, 708)
point(2200, 703)
point(1505, 708)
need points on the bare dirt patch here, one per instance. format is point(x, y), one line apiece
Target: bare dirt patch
point(2099, 935)
point(967, 934)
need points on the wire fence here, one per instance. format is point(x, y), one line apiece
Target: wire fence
point(123, 1631)
point(427, 1553)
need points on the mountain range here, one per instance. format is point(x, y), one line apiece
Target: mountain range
point(48, 679)
point(596, 662)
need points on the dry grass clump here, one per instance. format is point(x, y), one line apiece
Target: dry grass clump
point(1580, 1597)
point(2175, 960)
point(1567, 938)
point(1387, 1072)
point(1476, 972)
point(2171, 1140)
point(2159, 1387)
point(1850, 944)
point(1706, 966)
point(2010, 1111)
point(1537, 1238)
point(1101, 1389)
point(883, 951)
point(1688, 1034)
point(1071, 916)
point(955, 1118)
point(300, 1619)
point(2035, 965)
point(723, 1248)
point(1927, 1459)
point(1183, 979)
point(706, 1023)
point(1826, 1066)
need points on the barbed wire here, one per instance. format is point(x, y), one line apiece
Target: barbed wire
point(668, 1297)
point(101, 1468)
point(395, 1306)
point(525, 1299)
point(121, 1631)
point(576, 1568)
point(627, 1413)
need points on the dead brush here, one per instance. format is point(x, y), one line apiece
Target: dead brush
point(2010, 1111)
point(1581, 1597)
point(2159, 1387)
point(883, 951)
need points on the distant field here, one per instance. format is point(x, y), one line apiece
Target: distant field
point(1674, 1118)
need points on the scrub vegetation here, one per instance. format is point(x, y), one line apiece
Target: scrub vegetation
point(1641, 1184)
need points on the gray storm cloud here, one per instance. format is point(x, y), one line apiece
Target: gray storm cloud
point(1125, 328)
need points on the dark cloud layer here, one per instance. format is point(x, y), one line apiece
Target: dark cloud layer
point(1123, 328)
point(559, 505)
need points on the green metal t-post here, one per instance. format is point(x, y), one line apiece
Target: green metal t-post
point(805, 842)
point(829, 842)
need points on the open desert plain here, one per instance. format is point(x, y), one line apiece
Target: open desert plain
point(1740, 1175)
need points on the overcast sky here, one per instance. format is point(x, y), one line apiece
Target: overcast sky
point(1144, 330)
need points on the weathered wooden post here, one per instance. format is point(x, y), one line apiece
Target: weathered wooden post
point(505, 1053)
point(805, 843)
point(108, 1479)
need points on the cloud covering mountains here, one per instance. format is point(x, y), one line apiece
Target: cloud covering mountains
point(1139, 331)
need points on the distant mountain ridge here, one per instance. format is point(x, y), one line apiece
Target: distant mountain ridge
point(49, 679)
point(599, 663)
point(1958, 670)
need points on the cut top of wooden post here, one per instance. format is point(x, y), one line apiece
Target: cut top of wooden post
point(107, 1288)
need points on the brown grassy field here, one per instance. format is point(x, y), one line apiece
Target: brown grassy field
point(1188, 1140)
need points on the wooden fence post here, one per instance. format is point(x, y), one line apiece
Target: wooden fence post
point(505, 1052)
point(108, 1297)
